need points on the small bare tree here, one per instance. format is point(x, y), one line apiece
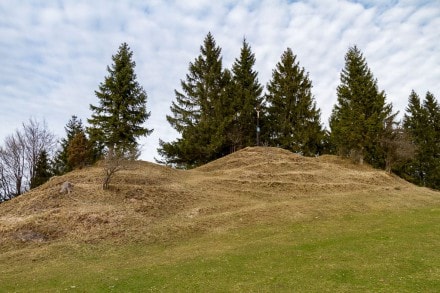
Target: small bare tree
point(37, 138)
point(115, 160)
point(5, 183)
point(12, 156)
point(19, 156)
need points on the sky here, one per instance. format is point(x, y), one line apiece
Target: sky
point(54, 54)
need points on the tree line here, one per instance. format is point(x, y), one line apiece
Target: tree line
point(218, 111)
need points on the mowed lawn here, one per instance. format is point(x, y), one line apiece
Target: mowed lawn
point(397, 251)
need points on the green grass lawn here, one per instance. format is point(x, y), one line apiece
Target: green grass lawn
point(383, 252)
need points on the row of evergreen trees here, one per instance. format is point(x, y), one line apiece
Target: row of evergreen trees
point(219, 111)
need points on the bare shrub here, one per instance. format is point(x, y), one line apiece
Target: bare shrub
point(114, 161)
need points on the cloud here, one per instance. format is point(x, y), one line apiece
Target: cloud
point(55, 53)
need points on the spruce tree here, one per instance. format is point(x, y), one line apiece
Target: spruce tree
point(42, 170)
point(246, 100)
point(422, 121)
point(118, 120)
point(432, 135)
point(415, 118)
point(61, 164)
point(358, 119)
point(293, 119)
point(414, 122)
point(199, 112)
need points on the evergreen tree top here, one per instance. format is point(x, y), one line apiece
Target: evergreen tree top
point(431, 104)
point(210, 54)
point(413, 103)
point(200, 88)
point(123, 60)
point(242, 67)
point(245, 77)
point(359, 87)
point(118, 119)
point(356, 75)
point(288, 77)
point(73, 126)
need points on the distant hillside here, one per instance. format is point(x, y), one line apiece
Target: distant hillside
point(151, 203)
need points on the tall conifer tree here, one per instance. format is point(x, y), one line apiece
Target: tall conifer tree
point(199, 111)
point(246, 101)
point(415, 120)
point(432, 135)
point(118, 120)
point(293, 119)
point(422, 121)
point(358, 119)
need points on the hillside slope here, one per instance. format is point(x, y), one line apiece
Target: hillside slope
point(151, 203)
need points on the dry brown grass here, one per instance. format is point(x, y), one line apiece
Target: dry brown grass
point(150, 203)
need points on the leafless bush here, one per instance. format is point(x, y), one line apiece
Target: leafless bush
point(114, 161)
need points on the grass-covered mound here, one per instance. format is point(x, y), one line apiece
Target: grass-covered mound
point(261, 219)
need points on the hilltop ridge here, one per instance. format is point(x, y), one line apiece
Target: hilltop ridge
point(149, 202)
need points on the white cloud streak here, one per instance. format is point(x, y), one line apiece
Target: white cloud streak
point(55, 53)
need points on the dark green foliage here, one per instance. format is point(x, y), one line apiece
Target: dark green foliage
point(246, 99)
point(118, 120)
point(422, 122)
point(61, 164)
point(293, 119)
point(42, 170)
point(201, 111)
point(358, 119)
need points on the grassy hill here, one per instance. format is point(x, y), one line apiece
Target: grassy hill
point(261, 219)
